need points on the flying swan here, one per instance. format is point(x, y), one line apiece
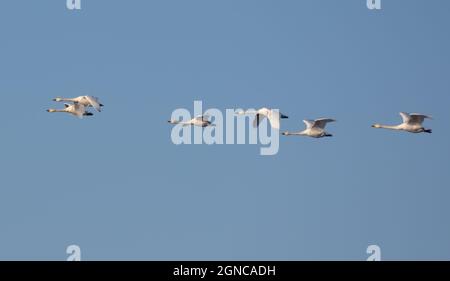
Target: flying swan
point(77, 109)
point(314, 129)
point(274, 116)
point(200, 121)
point(411, 123)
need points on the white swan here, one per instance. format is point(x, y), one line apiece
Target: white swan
point(200, 121)
point(87, 101)
point(411, 123)
point(274, 116)
point(314, 129)
point(77, 109)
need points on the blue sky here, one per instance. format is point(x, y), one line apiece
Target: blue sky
point(115, 184)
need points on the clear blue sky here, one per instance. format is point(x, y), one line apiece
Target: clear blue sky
point(115, 184)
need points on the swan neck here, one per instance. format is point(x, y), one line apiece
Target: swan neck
point(389, 127)
point(67, 99)
point(302, 133)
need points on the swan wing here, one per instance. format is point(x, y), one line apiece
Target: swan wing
point(274, 118)
point(258, 119)
point(93, 102)
point(405, 117)
point(202, 117)
point(309, 123)
point(416, 118)
point(79, 110)
point(322, 122)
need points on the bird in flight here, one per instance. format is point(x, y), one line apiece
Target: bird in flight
point(412, 123)
point(314, 128)
point(200, 121)
point(76, 109)
point(272, 115)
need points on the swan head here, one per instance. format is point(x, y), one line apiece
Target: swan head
point(51, 110)
point(285, 133)
point(57, 99)
point(376, 126)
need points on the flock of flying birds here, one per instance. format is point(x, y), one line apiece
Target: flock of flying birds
point(412, 122)
point(78, 106)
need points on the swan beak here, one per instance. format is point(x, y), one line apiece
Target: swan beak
point(54, 100)
point(101, 104)
point(284, 116)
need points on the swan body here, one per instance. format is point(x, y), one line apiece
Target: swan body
point(76, 109)
point(314, 128)
point(412, 123)
point(272, 115)
point(87, 101)
point(200, 121)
